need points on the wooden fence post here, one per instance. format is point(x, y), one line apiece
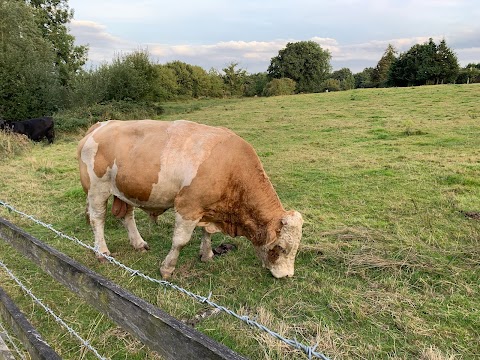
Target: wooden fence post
point(36, 347)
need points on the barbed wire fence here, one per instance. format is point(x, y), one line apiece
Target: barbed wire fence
point(310, 351)
point(50, 312)
point(11, 341)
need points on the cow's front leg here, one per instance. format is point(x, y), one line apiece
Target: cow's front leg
point(136, 239)
point(97, 207)
point(206, 252)
point(181, 236)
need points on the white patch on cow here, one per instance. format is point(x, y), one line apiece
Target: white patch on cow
point(113, 185)
point(186, 149)
point(89, 151)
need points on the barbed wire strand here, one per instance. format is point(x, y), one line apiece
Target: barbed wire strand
point(11, 341)
point(308, 350)
point(50, 312)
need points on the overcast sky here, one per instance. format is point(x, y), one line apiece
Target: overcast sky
point(215, 33)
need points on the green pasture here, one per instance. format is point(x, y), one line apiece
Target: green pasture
point(388, 182)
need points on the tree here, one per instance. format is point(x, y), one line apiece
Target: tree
point(167, 86)
point(424, 64)
point(184, 78)
point(29, 80)
point(428, 68)
point(255, 84)
point(345, 78)
point(130, 77)
point(215, 84)
point(200, 81)
point(51, 17)
point(364, 79)
point(379, 76)
point(234, 79)
point(305, 62)
point(278, 87)
point(448, 64)
point(194, 81)
point(469, 74)
point(403, 71)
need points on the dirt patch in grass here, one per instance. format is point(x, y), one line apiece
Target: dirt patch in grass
point(472, 214)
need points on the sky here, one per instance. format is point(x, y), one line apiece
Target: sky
point(215, 33)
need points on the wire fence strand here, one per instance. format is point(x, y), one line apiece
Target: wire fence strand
point(310, 351)
point(50, 312)
point(4, 331)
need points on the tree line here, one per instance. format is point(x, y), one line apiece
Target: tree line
point(42, 70)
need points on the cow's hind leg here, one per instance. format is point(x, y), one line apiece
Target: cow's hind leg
point(206, 252)
point(97, 208)
point(50, 135)
point(135, 238)
point(181, 236)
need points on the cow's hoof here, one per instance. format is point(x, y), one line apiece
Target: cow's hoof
point(166, 274)
point(103, 259)
point(145, 247)
point(206, 258)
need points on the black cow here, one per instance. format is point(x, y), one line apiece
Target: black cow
point(35, 129)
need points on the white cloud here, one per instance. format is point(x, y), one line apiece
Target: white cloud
point(254, 56)
point(102, 45)
point(469, 55)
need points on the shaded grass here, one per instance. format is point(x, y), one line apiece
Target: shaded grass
point(389, 263)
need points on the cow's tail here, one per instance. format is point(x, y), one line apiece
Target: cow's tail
point(87, 214)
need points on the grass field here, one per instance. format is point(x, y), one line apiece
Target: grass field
point(388, 184)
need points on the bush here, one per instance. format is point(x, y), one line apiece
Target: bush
point(84, 116)
point(276, 87)
point(331, 85)
point(88, 87)
point(255, 84)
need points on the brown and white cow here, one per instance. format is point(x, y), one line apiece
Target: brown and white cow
point(209, 175)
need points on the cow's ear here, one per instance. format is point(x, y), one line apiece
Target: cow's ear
point(287, 219)
point(291, 218)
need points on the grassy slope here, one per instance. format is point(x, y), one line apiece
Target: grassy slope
point(389, 266)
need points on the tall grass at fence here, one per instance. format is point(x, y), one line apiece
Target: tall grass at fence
point(12, 144)
point(387, 182)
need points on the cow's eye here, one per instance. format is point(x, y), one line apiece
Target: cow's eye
point(274, 253)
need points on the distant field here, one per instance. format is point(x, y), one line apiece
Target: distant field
point(389, 265)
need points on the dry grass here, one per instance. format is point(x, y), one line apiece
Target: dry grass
point(12, 144)
point(433, 353)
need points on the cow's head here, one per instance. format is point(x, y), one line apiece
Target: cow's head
point(279, 256)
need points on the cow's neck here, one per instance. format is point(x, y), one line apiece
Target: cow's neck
point(260, 212)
